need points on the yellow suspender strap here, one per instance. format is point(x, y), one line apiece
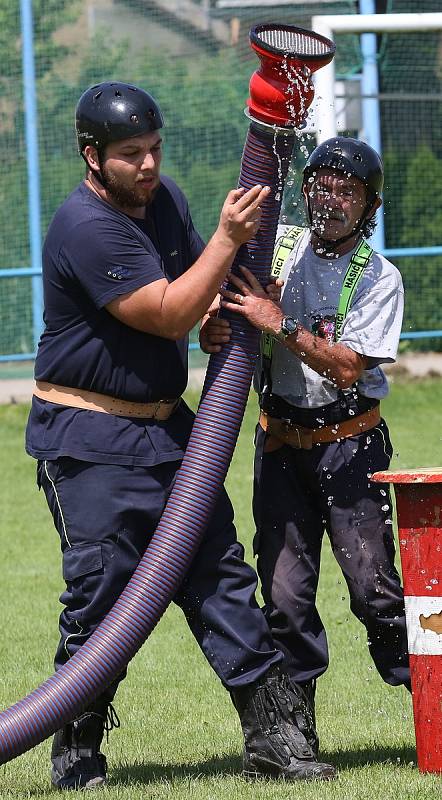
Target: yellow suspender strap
point(358, 262)
point(283, 247)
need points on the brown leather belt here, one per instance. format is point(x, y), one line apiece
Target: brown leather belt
point(304, 438)
point(93, 401)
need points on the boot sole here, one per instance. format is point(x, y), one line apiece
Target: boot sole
point(251, 775)
point(90, 785)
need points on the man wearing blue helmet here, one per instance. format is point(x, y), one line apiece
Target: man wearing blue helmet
point(126, 276)
point(320, 434)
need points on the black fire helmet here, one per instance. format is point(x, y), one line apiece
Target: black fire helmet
point(111, 111)
point(351, 157)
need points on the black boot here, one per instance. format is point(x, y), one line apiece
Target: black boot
point(76, 759)
point(275, 722)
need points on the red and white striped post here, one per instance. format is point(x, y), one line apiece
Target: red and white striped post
point(419, 514)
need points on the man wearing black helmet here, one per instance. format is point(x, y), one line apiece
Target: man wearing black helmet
point(126, 276)
point(320, 434)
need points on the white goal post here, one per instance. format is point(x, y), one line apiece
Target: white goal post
point(328, 25)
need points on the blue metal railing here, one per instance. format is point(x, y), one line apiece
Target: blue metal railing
point(394, 252)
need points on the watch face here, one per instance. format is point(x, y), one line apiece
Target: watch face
point(289, 325)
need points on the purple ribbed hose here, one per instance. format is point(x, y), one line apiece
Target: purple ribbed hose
point(167, 558)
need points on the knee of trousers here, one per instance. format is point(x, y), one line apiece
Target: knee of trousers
point(377, 599)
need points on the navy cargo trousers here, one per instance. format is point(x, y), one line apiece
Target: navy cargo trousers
point(105, 516)
point(299, 494)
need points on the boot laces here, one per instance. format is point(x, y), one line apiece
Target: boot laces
point(284, 710)
point(278, 699)
point(111, 721)
point(284, 699)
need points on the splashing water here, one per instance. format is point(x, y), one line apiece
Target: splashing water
point(298, 88)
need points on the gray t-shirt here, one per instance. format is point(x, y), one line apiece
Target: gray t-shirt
point(311, 292)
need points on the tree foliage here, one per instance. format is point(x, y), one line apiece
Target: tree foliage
point(48, 17)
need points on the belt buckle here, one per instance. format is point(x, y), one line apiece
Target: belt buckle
point(157, 408)
point(160, 404)
point(304, 437)
point(298, 445)
point(290, 428)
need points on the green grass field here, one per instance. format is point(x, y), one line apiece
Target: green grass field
point(179, 735)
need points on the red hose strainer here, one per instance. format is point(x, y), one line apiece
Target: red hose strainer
point(281, 91)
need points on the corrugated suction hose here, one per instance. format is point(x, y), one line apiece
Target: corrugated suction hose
point(265, 160)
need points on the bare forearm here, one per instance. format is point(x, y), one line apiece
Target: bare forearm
point(187, 298)
point(334, 361)
point(172, 309)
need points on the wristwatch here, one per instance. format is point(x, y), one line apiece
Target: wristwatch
point(289, 325)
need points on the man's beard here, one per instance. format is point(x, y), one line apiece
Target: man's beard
point(124, 196)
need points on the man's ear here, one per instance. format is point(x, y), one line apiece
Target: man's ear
point(90, 153)
point(377, 202)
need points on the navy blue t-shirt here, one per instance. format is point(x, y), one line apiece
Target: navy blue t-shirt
point(92, 254)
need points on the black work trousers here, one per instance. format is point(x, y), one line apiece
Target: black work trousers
point(297, 495)
point(105, 515)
